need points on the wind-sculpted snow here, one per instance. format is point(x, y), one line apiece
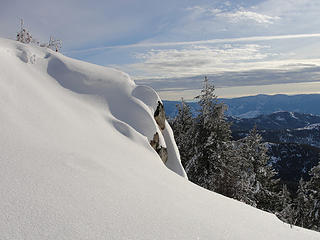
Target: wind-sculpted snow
point(115, 87)
point(131, 104)
point(76, 162)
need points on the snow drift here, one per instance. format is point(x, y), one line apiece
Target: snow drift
point(76, 162)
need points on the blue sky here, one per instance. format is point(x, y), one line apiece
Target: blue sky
point(245, 47)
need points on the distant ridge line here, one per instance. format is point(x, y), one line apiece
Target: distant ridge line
point(261, 104)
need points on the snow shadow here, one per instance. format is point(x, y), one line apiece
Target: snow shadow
point(116, 92)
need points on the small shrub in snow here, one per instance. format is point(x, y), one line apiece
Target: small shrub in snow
point(24, 35)
point(54, 44)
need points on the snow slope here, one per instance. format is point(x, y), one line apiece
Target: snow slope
point(76, 161)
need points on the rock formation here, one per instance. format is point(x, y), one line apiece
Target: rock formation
point(160, 116)
point(163, 153)
point(155, 141)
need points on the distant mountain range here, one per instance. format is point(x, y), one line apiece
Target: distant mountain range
point(253, 106)
point(274, 121)
point(280, 127)
point(293, 141)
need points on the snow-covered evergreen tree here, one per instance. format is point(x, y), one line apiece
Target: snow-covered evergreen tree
point(286, 210)
point(227, 182)
point(209, 164)
point(313, 195)
point(245, 185)
point(259, 176)
point(183, 128)
point(24, 35)
point(301, 205)
point(54, 44)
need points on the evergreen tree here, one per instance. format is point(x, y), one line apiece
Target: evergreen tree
point(259, 177)
point(54, 44)
point(24, 35)
point(313, 196)
point(212, 133)
point(286, 210)
point(301, 206)
point(245, 186)
point(227, 182)
point(183, 129)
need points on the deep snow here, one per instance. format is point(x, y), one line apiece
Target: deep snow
point(76, 161)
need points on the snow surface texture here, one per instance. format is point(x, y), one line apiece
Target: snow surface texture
point(76, 162)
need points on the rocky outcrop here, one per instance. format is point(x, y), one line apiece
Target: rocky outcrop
point(155, 141)
point(162, 151)
point(160, 116)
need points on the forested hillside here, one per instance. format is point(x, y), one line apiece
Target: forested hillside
point(236, 161)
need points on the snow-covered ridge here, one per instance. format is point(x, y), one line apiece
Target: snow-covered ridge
point(76, 162)
point(130, 107)
point(310, 127)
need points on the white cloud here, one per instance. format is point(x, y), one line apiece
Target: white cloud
point(200, 42)
point(244, 15)
point(196, 59)
point(200, 10)
point(225, 14)
point(206, 59)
